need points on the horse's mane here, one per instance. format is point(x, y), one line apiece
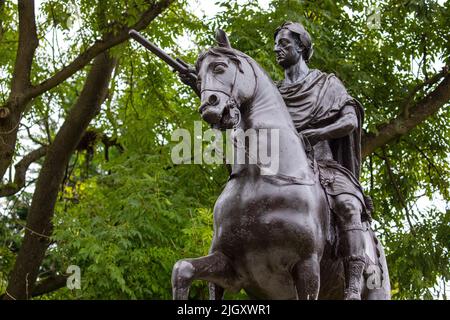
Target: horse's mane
point(230, 53)
point(233, 55)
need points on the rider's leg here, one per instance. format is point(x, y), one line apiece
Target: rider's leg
point(306, 275)
point(215, 268)
point(351, 243)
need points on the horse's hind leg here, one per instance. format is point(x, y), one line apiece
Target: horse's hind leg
point(306, 274)
point(214, 268)
point(215, 291)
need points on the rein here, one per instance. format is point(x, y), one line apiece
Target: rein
point(231, 103)
point(272, 178)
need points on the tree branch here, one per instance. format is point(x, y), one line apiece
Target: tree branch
point(418, 112)
point(28, 43)
point(38, 227)
point(98, 47)
point(428, 82)
point(10, 114)
point(50, 284)
point(2, 5)
point(20, 172)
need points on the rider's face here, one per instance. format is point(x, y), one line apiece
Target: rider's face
point(286, 49)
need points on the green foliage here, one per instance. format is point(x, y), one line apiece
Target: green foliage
point(126, 218)
point(127, 229)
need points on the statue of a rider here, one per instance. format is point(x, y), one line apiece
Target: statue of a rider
point(330, 119)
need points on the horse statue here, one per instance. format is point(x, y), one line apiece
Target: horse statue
point(271, 229)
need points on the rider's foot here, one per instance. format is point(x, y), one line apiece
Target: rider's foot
point(353, 268)
point(351, 295)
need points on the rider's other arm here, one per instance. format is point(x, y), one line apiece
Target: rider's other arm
point(344, 125)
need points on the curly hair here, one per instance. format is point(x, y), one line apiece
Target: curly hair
point(230, 53)
point(301, 36)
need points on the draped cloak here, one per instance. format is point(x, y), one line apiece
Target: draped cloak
point(315, 102)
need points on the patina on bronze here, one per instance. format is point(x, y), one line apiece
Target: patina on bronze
point(331, 119)
point(281, 238)
point(305, 232)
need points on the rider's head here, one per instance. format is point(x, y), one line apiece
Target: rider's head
point(292, 43)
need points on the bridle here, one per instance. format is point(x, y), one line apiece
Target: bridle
point(231, 103)
point(235, 111)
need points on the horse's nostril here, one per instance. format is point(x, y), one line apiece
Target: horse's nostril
point(213, 100)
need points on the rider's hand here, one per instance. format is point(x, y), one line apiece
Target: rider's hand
point(187, 79)
point(313, 135)
point(190, 78)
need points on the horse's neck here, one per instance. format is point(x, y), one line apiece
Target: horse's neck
point(268, 111)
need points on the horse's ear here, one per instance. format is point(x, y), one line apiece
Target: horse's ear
point(222, 39)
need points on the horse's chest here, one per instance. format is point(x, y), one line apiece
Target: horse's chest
point(256, 216)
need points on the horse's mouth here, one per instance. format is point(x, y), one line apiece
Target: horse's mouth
point(227, 119)
point(226, 122)
point(231, 115)
point(280, 56)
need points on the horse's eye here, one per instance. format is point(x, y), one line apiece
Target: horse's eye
point(219, 68)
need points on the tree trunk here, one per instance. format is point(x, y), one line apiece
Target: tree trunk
point(39, 226)
point(10, 113)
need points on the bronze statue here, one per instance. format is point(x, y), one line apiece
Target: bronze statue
point(274, 236)
point(330, 118)
point(302, 232)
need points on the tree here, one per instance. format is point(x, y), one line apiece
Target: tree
point(89, 116)
point(38, 226)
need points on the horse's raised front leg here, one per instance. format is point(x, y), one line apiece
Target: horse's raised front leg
point(214, 268)
point(306, 274)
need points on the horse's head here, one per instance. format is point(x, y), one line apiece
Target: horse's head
point(227, 81)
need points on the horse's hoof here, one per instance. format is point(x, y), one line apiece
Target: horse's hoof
point(351, 295)
point(180, 294)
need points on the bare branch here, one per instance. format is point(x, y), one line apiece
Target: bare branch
point(10, 113)
point(2, 5)
point(28, 43)
point(21, 170)
point(49, 284)
point(98, 47)
point(428, 82)
point(418, 112)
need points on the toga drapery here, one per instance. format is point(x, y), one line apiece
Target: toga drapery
point(317, 101)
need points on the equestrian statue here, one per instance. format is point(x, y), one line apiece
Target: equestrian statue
point(303, 231)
